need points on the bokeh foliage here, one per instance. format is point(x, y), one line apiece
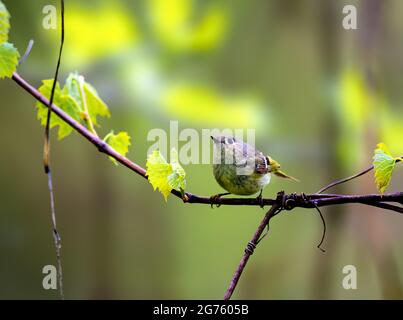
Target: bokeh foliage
point(319, 97)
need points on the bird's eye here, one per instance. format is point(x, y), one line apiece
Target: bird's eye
point(230, 140)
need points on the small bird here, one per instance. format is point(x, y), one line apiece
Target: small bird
point(241, 169)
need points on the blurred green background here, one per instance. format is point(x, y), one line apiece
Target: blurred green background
point(320, 98)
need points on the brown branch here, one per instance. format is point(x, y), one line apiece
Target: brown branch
point(250, 248)
point(289, 202)
point(386, 206)
point(368, 199)
point(99, 143)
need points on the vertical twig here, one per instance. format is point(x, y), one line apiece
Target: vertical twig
point(249, 250)
point(46, 162)
point(56, 236)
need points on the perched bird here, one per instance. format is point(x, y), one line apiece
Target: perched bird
point(241, 169)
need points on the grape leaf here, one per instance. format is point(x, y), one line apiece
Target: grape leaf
point(8, 60)
point(72, 88)
point(177, 178)
point(384, 163)
point(4, 23)
point(165, 176)
point(71, 101)
point(96, 107)
point(64, 102)
point(120, 142)
point(158, 171)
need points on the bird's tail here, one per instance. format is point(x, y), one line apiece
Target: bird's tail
point(275, 169)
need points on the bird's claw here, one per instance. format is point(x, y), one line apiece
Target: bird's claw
point(259, 199)
point(213, 199)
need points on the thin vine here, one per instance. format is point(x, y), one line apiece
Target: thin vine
point(46, 161)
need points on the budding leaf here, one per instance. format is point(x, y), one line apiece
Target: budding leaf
point(96, 107)
point(72, 88)
point(64, 101)
point(158, 171)
point(177, 178)
point(86, 97)
point(120, 142)
point(8, 60)
point(4, 23)
point(165, 176)
point(384, 163)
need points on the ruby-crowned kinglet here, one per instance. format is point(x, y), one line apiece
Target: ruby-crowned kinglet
point(241, 169)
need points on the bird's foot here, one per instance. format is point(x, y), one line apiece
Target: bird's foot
point(259, 199)
point(213, 199)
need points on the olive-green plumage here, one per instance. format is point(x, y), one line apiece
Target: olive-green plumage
point(241, 169)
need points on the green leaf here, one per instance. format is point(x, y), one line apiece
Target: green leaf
point(8, 60)
point(96, 107)
point(158, 171)
point(4, 23)
point(120, 142)
point(64, 102)
point(165, 176)
point(71, 100)
point(177, 178)
point(384, 163)
point(72, 88)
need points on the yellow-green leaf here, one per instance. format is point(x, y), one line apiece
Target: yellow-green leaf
point(64, 102)
point(165, 176)
point(176, 179)
point(72, 88)
point(8, 60)
point(158, 171)
point(96, 107)
point(384, 163)
point(120, 142)
point(4, 23)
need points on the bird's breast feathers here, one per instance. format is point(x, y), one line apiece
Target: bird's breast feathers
point(229, 178)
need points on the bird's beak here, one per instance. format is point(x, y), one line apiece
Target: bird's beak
point(214, 139)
